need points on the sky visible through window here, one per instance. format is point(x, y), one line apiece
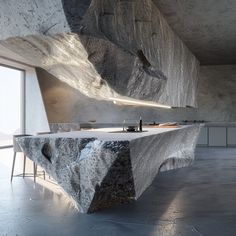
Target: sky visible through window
point(10, 102)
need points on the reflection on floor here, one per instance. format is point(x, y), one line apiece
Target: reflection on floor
point(199, 200)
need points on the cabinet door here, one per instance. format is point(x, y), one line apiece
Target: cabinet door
point(231, 136)
point(203, 139)
point(217, 136)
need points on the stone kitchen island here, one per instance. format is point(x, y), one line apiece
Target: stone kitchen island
point(104, 167)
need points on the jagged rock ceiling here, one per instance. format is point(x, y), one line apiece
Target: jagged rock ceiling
point(106, 49)
point(206, 26)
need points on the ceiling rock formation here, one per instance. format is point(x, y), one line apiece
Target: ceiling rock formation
point(103, 48)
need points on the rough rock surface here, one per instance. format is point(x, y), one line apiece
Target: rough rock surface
point(100, 169)
point(103, 48)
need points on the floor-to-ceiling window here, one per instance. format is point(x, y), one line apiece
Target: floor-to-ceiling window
point(11, 104)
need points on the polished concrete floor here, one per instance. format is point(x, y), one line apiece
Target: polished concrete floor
point(199, 200)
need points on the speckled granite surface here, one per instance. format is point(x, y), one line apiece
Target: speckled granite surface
point(98, 169)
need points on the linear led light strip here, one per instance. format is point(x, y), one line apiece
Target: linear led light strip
point(137, 103)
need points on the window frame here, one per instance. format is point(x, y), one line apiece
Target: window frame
point(22, 98)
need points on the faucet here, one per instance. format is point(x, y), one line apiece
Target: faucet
point(140, 124)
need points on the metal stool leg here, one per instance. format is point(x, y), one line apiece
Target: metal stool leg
point(35, 171)
point(24, 166)
point(13, 166)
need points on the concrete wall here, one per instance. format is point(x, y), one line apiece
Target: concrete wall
point(216, 98)
point(217, 93)
point(35, 114)
point(206, 26)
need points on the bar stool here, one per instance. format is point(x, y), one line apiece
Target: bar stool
point(17, 149)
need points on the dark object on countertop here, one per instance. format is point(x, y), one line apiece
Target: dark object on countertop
point(130, 128)
point(194, 121)
point(122, 131)
point(154, 123)
point(140, 124)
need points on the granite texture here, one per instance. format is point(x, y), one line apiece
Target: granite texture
point(103, 48)
point(98, 169)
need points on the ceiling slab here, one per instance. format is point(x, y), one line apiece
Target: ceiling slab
point(208, 27)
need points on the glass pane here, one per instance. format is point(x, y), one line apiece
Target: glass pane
point(10, 104)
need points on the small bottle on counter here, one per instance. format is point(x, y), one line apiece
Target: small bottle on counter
point(140, 124)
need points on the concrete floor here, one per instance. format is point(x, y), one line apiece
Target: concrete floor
point(199, 200)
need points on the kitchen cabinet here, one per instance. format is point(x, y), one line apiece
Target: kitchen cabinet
point(217, 136)
point(231, 136)
point(203, 137)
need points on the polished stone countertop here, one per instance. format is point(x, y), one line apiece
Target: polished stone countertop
point(111, 134)
point(104, 167)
